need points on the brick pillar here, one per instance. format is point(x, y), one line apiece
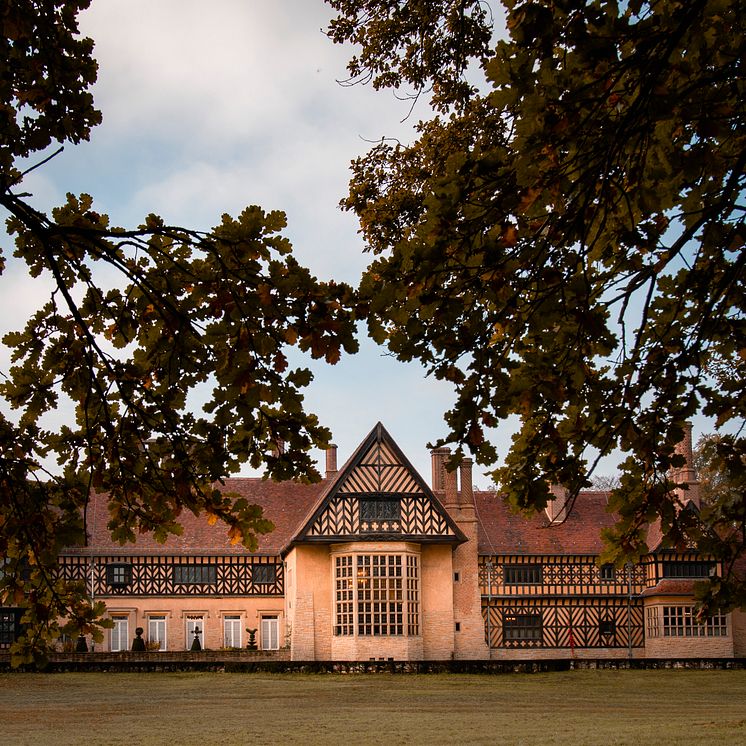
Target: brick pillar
point(469, 643)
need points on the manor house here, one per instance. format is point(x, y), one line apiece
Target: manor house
point(376, 563)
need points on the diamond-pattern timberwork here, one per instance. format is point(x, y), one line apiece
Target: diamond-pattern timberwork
point(156, 576)
point(560, 575)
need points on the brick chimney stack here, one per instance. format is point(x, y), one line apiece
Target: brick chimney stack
point(556, 508)
point(331, 461)
point(467, 487)
point(438, 457)
point(451, 489)
point(686, 474)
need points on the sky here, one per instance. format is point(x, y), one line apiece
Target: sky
point(210, 107)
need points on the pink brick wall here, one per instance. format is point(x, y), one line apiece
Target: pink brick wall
point(177, 610)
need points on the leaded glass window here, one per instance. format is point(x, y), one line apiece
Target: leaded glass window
point(523, 574)
point(119, 575)
point(344, 596)
point(681, 621)
point(682, 569)
point(376, 595)
point(263, 574)
point(380, 598)
point(521, 627)
point(195, 574)
point(380, 515)
point(413, 596)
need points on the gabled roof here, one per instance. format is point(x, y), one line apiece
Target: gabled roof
point(284, 503)
point(501, 531)
point(378, 470)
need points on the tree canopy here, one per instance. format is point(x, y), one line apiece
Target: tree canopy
point(142, 325)
point(565, 243)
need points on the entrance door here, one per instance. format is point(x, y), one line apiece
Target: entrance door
point(270, 633)
point(120, 636)
point(195, 624)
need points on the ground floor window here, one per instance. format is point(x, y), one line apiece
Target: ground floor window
point(7, 627)
point(232, 631)
point(413, 596)
point(157, 632)
point(270, 633)
point(681, 621)
point(380, 597)
point(521, 627)
point(344, 596)
point(376, 594)
point(120, 634)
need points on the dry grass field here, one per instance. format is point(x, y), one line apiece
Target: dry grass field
point(577, 707)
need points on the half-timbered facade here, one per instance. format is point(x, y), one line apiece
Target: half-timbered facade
point(376, 563)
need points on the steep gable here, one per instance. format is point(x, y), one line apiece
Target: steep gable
point(378, 495)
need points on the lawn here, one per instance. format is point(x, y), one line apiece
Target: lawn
point(575, 707)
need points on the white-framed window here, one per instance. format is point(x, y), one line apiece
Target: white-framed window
point(681, 621)
point(195, 627)
point(270, 639)
point(376, 594)
point(653, 622)
point(232, 631)
point(119, 633)
point(157, 630)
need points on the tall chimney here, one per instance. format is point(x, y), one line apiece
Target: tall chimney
point(686, 474)
point(556, 508)
point(438, 457)
point(467, 488)
point(331, 461)
point(451, 489)
point(277, 448)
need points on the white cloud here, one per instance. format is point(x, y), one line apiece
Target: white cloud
point(211, 106)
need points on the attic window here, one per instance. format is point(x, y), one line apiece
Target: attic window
point(379, 514)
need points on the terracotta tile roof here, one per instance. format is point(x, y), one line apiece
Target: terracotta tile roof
point(284, 503)
point(655, 536)
point(503, 532)
point(671, 587)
